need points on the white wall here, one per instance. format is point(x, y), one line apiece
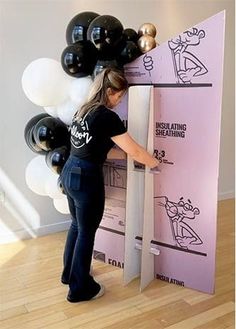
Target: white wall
point(36, 28)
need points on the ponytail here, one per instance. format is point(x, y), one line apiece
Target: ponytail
point(108, 78)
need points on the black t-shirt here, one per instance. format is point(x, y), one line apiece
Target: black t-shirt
point(91, 136)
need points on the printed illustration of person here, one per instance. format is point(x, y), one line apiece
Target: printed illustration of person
point(183, 234)
point(186, 64)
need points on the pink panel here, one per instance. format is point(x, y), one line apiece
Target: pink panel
point(187, 73)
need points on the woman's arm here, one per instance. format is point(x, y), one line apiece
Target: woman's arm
point(136, 151)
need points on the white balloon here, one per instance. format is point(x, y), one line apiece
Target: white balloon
point(61, 205)
point(51, 110)
point(66, 110)
point(51, 187)
point(45, 83)
point(79, 89)
point(36, 175)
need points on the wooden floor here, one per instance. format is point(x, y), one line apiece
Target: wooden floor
point(33, 297)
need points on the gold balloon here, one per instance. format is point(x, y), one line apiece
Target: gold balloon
point(147, 28)
point(146, 43)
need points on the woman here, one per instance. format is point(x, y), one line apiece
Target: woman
point(94, 131)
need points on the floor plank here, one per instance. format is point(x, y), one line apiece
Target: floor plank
point(32, 296)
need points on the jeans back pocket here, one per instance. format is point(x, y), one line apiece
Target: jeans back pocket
point(74, 179)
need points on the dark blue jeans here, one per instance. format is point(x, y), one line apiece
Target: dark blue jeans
point(84, 186)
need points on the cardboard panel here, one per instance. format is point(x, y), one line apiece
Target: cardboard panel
point(138, 113)
point(147, 260)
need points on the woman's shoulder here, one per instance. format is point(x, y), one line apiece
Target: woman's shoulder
point(102, 112)
point(97, 116)
point(103, 109)
point(99, 110)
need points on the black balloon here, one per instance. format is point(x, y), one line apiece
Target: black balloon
point(30, 141)
point(130, 52)
point(101, 65)
point(105, 32)
point(131, 35)
point(78, 26)
point(56, 158)
point(50, 133)
point(79, 59)
point(28, 133)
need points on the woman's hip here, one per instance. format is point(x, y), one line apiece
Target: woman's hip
point(82, 179)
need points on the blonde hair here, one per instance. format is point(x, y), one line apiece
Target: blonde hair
point(108, 78)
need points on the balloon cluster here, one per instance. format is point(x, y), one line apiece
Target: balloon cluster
point(48, 136)
point(99, 41)
point(147, 33)
point(94, 42)
point(46, 84)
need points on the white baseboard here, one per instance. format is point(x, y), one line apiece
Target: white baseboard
point(53, 228)
point(10, 237)
point(226, 195)
point(23, 234)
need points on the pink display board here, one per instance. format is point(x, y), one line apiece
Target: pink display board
point(187, 74)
